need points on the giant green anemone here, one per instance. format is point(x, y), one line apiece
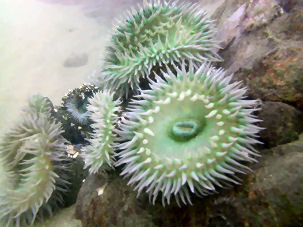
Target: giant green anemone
point(103, 110)
point(33, 166)
point(190, 133)
point(157, 33)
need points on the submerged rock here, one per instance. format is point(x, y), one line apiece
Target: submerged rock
point(262, 45)
point(104, 200)
point(272, 196)
point(278, 77)
point(282, 123)
point(275, 198)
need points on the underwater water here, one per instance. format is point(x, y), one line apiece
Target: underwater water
point(237, 143)
point(49, 47)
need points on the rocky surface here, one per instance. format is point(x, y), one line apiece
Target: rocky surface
point(272, 196)
point(282, 123)
point(104, 200)
point(276, 196)
point(262, 45)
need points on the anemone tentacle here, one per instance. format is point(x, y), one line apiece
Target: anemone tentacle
point(33, 166)
point(75, 102)
point(103, 111)
point(153, 35)
point(188, 134)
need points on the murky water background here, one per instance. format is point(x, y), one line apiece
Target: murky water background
point(48, 47)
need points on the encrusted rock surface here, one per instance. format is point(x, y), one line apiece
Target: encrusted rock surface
point(262, 45)
point(278, 77)
point(105, 200)
point(282, 123)
point(276, 196)
point(272, 196)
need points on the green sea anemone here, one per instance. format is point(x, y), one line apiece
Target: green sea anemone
point(33, 166)
point(189, 133)
point(103, 110)
point(156, 34)
point(75, 102)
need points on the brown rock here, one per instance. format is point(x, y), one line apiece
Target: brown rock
point(278, 187)
point(259, 13)
point(278, 77)
point(268, 55)
point(242, 40)
point(107, 201)
point(282, 123)
point(271, 196)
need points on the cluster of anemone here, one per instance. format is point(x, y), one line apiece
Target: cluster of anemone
point(176, 125)
point(33, 163)
point(186, 128)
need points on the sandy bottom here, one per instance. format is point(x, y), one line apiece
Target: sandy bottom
point(51, 46)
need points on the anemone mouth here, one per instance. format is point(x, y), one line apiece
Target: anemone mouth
point(81, 105)
point(188, 132)
point(184, 130)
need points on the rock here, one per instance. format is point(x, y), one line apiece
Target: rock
point(289, 5)
point(288, 26)
point(239, 17)
point(230, 29)
point(260, 13)
point(278, 77)
point(264, 48)
point(282, 123)
point(240, 48)
point(87, 199)
point(272, 196)
point(276, 196)
point(76, 60)
point(107, 201)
